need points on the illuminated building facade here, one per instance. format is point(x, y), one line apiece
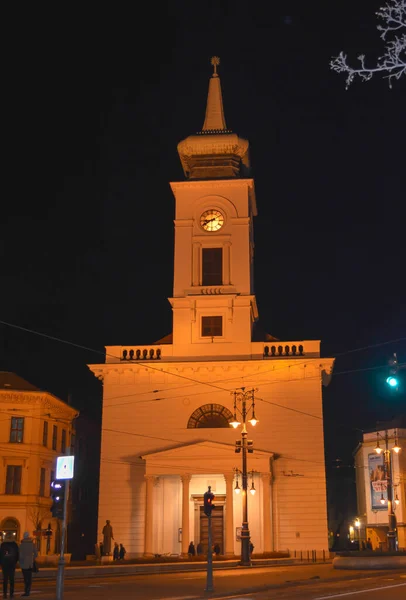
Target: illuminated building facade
point(167, 406)
point(35, 428)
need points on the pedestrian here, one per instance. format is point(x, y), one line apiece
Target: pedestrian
point(27, 555)
point(251, 548)
point(116, 552)
point(216, 549)
point(122, 552)
point(191, 550)
point(369, 544)
point(8, 558)
point(199, 549)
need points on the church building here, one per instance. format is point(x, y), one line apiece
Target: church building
point(167, 407)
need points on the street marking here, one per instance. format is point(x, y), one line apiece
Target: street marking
point(181, 598)
point(98, 586)
point(377, 589)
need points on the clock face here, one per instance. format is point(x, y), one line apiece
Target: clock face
point(212, 220)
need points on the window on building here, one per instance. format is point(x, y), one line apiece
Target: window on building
point(54, 437)
point(63, 441)
point(13, 479)
point(211, 416)
point(212, 326)
point(45, 434)
point(212, 266)
point(17, 430)
point(42, 482)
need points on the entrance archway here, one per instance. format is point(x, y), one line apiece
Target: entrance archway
point(10, 526)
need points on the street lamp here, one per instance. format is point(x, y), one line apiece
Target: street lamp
point(242, 397)
point(388, 476)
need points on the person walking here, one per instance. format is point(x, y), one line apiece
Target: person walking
point(122, 552)
point(199, 548)
point(28, 553)
point(8, 559)
point(116, 553)
point(191, 550)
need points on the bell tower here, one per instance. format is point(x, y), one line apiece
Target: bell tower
point(213, 303)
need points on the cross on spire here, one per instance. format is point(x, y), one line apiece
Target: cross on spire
point(215, 61)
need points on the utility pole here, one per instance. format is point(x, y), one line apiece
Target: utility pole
point(64, 471)
point(208, 507)
point(391, 513)
point(244, 446)
point(387, 464)
point(60, 577)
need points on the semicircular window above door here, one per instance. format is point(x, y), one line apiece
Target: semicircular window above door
point(212, 416)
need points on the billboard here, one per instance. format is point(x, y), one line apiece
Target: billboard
point(378, 481)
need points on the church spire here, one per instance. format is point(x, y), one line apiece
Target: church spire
point(214, 152)
point(214, 120)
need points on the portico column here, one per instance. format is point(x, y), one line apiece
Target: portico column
point(185, 513)
point(229, 549)
point(149, 506)
point(266, 509)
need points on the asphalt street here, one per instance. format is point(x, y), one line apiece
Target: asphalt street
point(310, 582)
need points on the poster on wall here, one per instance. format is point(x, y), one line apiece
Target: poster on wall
point(376, 469)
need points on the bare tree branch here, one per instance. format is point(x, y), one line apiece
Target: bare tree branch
point(37, 514)
point(393, 62)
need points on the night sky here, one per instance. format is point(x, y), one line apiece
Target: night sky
point(96, 103)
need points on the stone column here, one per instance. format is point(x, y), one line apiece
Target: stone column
point(149, 507)
point(185, 513)
point(229, 549)
point(266, 509)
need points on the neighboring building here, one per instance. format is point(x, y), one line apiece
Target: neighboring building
point(372, 495)
point(167, 406)
point(35, 428)
point(82, 530)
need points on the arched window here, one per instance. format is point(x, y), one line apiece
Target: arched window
point(210, 416)
point(10, 526)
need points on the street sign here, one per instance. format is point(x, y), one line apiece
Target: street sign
point(64, 467)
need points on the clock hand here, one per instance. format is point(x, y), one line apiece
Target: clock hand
point(209, 220)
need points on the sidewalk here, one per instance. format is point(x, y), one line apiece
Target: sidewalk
point(76, 572)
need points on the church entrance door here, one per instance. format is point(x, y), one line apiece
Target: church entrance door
point(217, 524)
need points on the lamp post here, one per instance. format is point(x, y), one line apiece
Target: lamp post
point(242, 397)
point(388, 476)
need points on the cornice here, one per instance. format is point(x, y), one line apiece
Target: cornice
point(211, 184)
point(250, 367)
point(37, 399)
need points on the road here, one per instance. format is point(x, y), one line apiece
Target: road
point(308, 582)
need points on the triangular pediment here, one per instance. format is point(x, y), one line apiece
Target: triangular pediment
point(202, 455)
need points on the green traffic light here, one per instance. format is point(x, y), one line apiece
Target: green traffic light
point(392, 381)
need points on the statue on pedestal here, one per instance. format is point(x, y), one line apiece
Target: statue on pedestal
point(107, 537)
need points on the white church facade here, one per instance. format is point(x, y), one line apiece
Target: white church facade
point(167, 406)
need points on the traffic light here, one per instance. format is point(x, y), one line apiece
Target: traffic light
point(58, 498)
point(208, 502)
point(393, 380)
point(238, 447)
point(250, 446)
